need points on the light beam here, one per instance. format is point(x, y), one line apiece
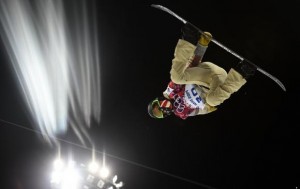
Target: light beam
point(55, 58)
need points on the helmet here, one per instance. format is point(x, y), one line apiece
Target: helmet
point(160, 108)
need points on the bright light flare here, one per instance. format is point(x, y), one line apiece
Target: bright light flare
point(58, 171)
point(58, 164)
point(66, 176)
point(104, 172)
point(93, 167)
point(71, 178)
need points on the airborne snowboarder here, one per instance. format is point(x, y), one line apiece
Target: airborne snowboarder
point(197, 87)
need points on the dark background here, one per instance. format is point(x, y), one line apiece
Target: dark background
point(251, 141)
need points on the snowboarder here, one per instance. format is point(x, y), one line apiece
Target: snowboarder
point(197, 87)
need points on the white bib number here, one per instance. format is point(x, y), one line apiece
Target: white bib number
point(192, 98)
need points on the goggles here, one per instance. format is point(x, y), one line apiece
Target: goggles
point(162, 110)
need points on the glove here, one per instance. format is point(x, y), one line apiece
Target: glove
point(205, 38)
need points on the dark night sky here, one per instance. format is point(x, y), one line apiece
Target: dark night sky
point(250, 142)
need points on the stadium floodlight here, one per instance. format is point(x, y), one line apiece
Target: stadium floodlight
point(71, 176)
point(104, 172)
point(93, 167)
point(58, 164)
point(58, 171)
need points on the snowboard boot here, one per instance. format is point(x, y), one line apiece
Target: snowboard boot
point(190, 33)
point(246, 69)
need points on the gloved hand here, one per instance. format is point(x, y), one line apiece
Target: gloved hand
point(205, 38)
